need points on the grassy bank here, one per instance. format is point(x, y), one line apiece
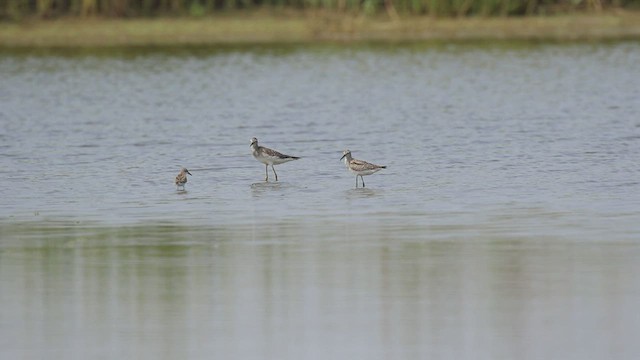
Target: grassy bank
point(260, 27)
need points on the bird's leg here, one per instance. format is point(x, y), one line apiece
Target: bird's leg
point(362, 180)
point(266, 172)
point(274, 172)
point(356, 181)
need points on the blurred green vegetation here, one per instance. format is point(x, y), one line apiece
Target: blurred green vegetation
point(20, 9)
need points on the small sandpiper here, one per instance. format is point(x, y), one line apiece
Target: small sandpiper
point(359, 167)
point(181, 179)
point(269, 157)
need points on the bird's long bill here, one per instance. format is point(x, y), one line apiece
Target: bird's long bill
point(343, 157)
point(189, 173)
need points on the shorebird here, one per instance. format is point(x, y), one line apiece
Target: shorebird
point(269, 157)
point(181, 179)
point(359, 167)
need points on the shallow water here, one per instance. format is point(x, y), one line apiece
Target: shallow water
point(505, 226)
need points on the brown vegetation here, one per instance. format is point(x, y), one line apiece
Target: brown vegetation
point(20, 9)
point(310, 27)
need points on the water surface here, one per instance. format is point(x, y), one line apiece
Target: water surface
point(505, 226)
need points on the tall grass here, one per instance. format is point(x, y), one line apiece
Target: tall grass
point(17, 9)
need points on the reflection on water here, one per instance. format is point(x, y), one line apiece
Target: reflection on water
point(268, 186)
point(326, 290)
point(506, 225)
point(270, 190)
point(363, 193)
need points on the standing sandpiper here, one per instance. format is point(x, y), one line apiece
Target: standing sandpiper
point(269, 157)
point(181, 179)
point(359, 167)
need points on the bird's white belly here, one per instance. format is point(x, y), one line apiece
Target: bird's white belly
point(364, 172)
point(271, 160)
point(263, 160)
